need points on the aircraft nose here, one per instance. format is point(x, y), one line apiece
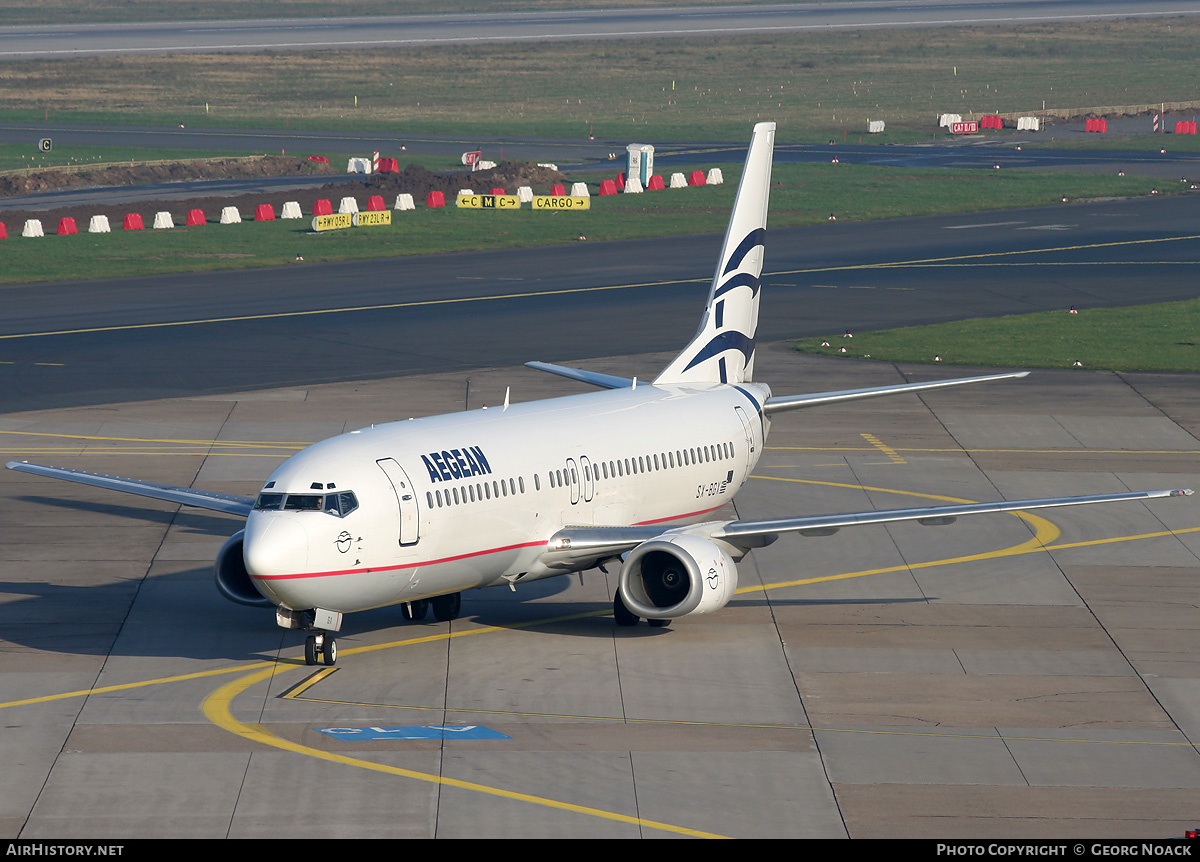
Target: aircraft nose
point(275, 546)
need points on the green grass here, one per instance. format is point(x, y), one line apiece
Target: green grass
point(1158, 337)
point(708, 88)
point(801, 194)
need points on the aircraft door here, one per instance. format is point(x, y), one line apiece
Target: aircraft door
point(406, 499)
point(749, 432)
point(572, 475)
point(589, 477)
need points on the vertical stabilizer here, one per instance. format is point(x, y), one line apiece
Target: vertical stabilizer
point(723, 349)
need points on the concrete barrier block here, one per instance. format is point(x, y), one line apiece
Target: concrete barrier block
point(3, 230)
point(462, 192)
point(715, 177)
point(163, 221)
point(375, 203)
point(655, 183)
point(678, 181)
point(66, 226)
point(322, 207)
point(195, 218)
point(558, 190)
point(525, 194)
point(404, 201)
point(291, 209)
point(435, 199)
point(348, 205)
point(33, 227)
point(264, 212)
point(633, 186)
point(608, 187)
point(485, 165)
point(230, 215)
point(132, 221)
point(99, 224)
point(697, 178)
point(580, 190)
point(358, 166)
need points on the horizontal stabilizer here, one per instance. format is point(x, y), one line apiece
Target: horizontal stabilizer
point(604, 381)
point(211, 500)
point(778, 404)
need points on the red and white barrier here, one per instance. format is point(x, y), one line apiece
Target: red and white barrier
point(348, 205)
point(66, 226)
point(99, 224)
point(230, 215)
point(195, 218)
point(264, 212)
point(404, 201)
point(291, 209)
point(132, 221)
point(163, 221)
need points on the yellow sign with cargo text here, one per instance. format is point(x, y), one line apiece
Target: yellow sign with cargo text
point(488, 202)
point(561, 202)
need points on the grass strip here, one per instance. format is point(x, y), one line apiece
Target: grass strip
point(801, 194)
point(817, 86)
point(1156, 337)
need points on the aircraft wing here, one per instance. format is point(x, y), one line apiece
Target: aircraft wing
point(227, 503)
point(572, 545)
point(605, 381)
point(778, 404)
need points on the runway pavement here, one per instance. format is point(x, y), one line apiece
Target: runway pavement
point(72, 40)
point(133, 339)
point(1002, 677)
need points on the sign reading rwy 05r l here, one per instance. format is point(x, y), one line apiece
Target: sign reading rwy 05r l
point(561, 202)
point(337, 221)
point(488, 202)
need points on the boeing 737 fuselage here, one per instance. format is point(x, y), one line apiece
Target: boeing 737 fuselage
point(416, 512)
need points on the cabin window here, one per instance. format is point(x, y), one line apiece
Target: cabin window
point(537, 482)
point(656, 467)
point(604, 469)
point(471, 489)
point(521, 483)
point(429, 499)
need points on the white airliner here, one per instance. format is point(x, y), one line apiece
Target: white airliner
point(415, 512)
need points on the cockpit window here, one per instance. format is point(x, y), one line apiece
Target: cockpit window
point(346, 502)
point(340, 504)
point(304, 502)
point(269, 501)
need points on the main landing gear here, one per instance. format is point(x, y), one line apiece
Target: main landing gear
point(626, 617)
point(320, 645)
point(445, 608)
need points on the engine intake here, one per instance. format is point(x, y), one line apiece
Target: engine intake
point(677, 576)
point(233, 581)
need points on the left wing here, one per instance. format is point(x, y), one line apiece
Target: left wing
point(572, 545)
point(228, 503)
point(777, 404)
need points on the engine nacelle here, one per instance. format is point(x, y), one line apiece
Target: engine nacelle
point(233, 581)
point(676, 576)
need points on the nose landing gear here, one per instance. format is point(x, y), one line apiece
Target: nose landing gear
point(322, 645)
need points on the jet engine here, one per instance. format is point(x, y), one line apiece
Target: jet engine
point(677, 575)
point(233, 581)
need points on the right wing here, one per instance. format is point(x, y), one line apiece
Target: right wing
point(605, 381)
point(573, 546)
point(211, 500)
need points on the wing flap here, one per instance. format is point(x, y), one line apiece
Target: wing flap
point(211, 500)
point(737, 531)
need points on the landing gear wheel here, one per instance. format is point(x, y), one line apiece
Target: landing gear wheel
point(415, 611)
point(446, 608)
point(329, 651)
point(622, 614)
point(310, 650)
point(658, 624)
